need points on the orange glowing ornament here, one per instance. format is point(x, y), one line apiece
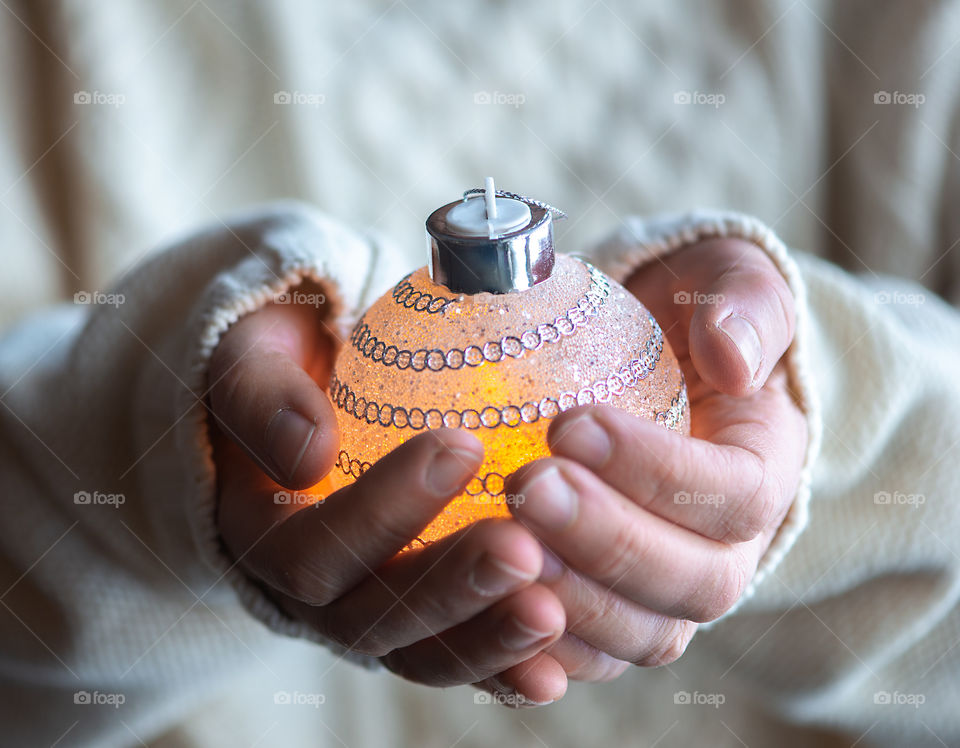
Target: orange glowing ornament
point(497, 335)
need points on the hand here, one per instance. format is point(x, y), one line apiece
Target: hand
point(457, 611)
point(651, 531)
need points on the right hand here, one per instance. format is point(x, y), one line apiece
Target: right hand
point(458, 611)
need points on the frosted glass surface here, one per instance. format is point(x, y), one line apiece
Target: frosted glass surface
point(501, 365)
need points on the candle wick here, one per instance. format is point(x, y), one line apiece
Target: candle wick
point(490, 197)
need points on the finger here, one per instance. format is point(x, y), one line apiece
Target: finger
point(422, 593)
point(264, 399)
point(725, 306)
point(584, 662)
point(605, 622)
point(509, 632)
point(316, 553)
point(730, 488)
point(743, 321)
point(537, 681)
point(606, 537)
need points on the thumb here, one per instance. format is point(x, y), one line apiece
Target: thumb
point(264, 399)
point(743, 325)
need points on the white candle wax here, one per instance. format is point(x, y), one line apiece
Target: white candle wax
point(486, 215)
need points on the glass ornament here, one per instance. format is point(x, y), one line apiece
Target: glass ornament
point(497, 335)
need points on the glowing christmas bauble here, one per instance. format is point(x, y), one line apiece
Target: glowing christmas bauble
point(500, 364)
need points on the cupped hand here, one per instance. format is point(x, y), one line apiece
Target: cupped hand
point(458, 611)
point(651, 532)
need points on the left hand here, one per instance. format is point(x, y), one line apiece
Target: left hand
point(332, 564)
point(652, 532)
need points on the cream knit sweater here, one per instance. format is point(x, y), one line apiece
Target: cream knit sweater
point(851, 624)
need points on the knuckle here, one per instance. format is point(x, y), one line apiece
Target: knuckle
point(726, 587)
point(300, 573)
point(437, 608)
point(744, 521)
point(379, 527)
point(767, 505)
point(675, 636)
point(594, 666)
point(764, 503)
point(588, 667)
point(302, 580)
point(732, 586)
point(397, 662)
point(594, 610)
point(237, 385)
point(613, 669)
point(660, 475)
point(359, 639)
point(371, 648)
point(382, 530)
point(353, 631)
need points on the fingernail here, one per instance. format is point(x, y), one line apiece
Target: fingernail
point(516, 635)
point(744, 335)
point(450, 470)
point(552, 566)
point(527, 701)
point(584, 440)
point(549, 501)
point(288, 436)
point(491, 576)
